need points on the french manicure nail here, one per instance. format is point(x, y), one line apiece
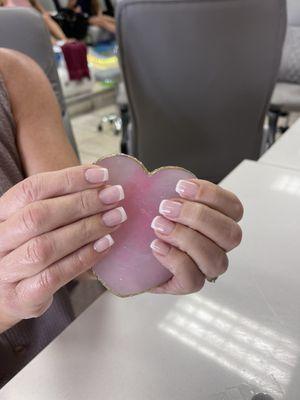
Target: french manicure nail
point(96, 175)
point(103, 243)
point(114, 217)
point(112, 194)
point(160, 247)
point(162, 225)
point(187, 189)
point(170, 208)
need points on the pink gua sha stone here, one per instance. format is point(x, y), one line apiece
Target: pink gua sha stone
point(130, 267)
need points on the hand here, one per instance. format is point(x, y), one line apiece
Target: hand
point(194, 234)
point(53, 227)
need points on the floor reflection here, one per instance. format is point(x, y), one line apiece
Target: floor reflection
point(259, 355)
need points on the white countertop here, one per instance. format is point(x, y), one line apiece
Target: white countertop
point(286, 151)
point(238, 336)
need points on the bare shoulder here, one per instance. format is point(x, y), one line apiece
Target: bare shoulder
point(24, 80)
point(14, 63)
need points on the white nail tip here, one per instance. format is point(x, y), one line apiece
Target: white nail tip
point(103, 243)
point(123, 214)
point(153, 223)
point(153, 245)
point(178, 189)
point(121, 192)
point(161, 207)
point(110, 240)
point(105, 174)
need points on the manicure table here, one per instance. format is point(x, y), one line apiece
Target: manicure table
point(237, 339)
point(286, 151)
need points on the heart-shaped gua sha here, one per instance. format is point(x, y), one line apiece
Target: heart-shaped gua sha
point(130, 267)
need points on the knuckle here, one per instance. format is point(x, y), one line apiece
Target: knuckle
point(29, 189)
point(39, 250)
point(32, 299)
point(68, 180)
point(46, 281)
point(84, 201)
point(79, 261)
point(32, 217)
point(206, 190)
point(202, 189)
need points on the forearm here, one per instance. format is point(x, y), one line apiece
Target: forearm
point(41, 139)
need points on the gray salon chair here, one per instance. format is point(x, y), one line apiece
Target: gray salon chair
point(199, 76)
point(286, 96)
point(24, 30)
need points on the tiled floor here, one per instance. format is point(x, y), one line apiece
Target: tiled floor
point(93, 144)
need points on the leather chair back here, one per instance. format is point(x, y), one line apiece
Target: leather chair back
point(199, 75)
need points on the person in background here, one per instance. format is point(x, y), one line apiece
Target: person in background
point(93, 10)
point(57, 219)
point(55, 31)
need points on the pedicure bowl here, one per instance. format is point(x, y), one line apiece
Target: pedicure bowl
point(130, 267)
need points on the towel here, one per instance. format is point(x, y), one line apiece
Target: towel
point(75, 54)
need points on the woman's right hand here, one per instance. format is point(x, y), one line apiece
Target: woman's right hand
point(54, 226)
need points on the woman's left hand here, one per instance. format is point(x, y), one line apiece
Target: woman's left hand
point(195, 231)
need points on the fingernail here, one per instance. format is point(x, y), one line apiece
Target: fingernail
point(112, 194)
point(170, 208)
point(103, 243)
point(162, 225)
point(114, 217)
point(187, 189)
point(96, 175)
point(160, 247)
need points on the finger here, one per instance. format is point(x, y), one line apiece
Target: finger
point(187, 278)
point(42, 251)
point(222, 230)
point(37, 289)
point(46, 215)
point(212, 195)
point(51, 184)
point(209, 257)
